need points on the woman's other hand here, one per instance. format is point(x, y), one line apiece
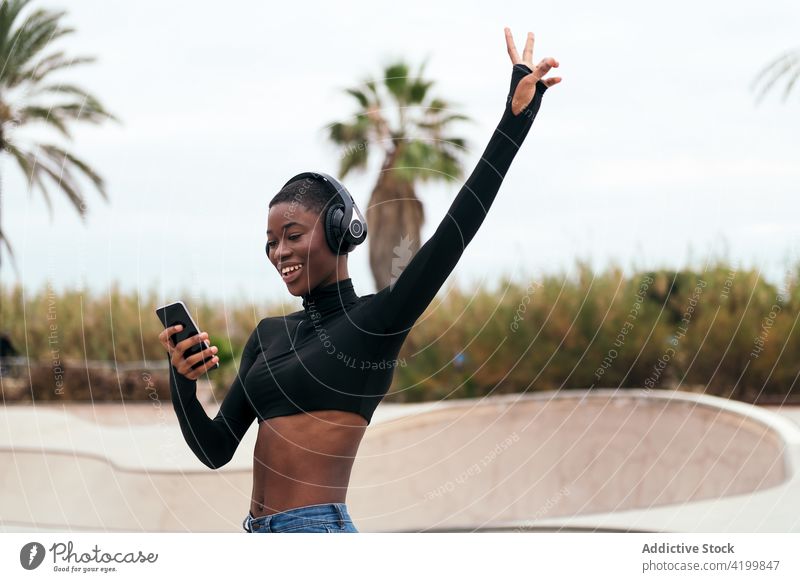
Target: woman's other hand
point(184, 365)
point(527, 85)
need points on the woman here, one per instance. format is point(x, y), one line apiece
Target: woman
point(313, 378)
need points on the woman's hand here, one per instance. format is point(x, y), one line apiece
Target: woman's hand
point(184, 365)
point(527, 85)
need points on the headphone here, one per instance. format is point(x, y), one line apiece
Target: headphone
point(345, 227)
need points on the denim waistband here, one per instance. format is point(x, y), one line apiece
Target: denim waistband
point(330, 511)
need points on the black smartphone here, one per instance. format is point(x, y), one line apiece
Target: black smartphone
point(174, 314)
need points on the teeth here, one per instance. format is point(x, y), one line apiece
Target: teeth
point(290, 269)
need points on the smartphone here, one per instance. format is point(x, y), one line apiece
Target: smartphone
point(176, 313)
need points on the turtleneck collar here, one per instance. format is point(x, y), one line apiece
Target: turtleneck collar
point(325, 299)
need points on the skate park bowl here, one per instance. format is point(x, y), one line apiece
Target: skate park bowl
point(599, 460)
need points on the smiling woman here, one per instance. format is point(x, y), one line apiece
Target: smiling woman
point(313, 378)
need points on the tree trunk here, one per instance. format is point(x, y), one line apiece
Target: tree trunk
point(395, 217)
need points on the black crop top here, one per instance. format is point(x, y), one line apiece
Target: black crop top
point(340, 351)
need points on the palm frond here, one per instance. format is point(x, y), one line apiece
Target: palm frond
point(353, 158)
point(57, 154)
point(418, 90)
point(458, 143)
point(437, 106)
point(64, 180)
point(423, 161)
point(372, 87)
point(59, 89)
point(89, 110)
point(363, 100)
point(55, 62)
point(4, 241)
point(38, 30)
point(439, 123)
point(395, 78)
point(422, 65)
point(785, 65)
point(34, 113)
point(9, 11)
point(347, 133)
point(29, 165)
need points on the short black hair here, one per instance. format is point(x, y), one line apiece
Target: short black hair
point(308, 192)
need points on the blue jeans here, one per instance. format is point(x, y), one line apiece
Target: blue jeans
point(321, 518)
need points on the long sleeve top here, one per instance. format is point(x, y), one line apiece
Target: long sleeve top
point(340, 351)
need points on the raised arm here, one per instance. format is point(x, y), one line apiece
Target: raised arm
point(215, 441)
point(400, 304)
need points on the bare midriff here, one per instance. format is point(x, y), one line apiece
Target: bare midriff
point(304, 459)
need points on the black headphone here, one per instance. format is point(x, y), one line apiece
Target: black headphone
point(345, 227)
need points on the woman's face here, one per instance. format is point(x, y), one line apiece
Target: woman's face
point(296, 237)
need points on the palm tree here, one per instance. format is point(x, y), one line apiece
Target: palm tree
point(29, 97)
point(398, 119)
point(786, 65)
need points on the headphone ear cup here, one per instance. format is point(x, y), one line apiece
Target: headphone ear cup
point(333, 228)
point(351, 237)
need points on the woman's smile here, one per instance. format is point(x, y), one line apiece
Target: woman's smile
point(291, 272)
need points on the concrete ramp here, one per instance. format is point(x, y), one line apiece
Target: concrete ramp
point(605, 459)
point(525, 462)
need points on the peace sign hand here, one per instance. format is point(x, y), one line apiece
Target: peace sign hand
point(526, 88)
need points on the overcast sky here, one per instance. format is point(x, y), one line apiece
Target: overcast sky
point(652, 151)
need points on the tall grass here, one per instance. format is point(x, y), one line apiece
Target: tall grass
point(720, 330)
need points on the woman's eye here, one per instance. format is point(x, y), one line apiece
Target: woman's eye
point(272, 243)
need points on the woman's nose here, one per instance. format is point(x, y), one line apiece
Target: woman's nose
point(282, 251)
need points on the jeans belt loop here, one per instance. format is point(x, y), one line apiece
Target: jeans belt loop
point(341, 514)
